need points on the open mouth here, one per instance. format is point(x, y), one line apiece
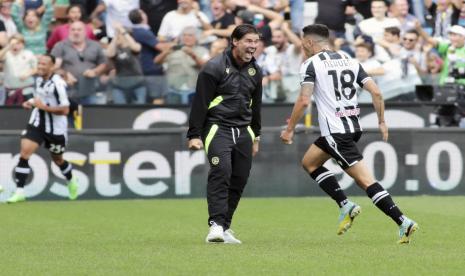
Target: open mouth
point(249, 53)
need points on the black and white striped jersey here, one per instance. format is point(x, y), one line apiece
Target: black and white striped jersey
point(334, 76)
point(51, 92)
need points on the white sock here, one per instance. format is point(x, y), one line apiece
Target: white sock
point(20, 191)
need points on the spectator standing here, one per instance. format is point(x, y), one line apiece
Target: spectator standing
point(444, 14)
point(399, 10)
point(5, 16)
point(375, 25)
point(151, 47)
point(287, 55)
point(128, 83)
point(332, 13)
point(183, 63)
point(391, 41)
point(19, 68)
point(33, 27)
point(83, 61)
point(156, 10)
point(411, 51)
point(3, 35)
point(116, 12)
point(223, 23)
point(453, 54)
point(61, 32)
point(175, 21)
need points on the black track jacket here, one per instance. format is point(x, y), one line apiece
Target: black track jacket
point(227, 95)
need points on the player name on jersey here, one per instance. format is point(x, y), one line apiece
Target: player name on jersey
point(338, 63)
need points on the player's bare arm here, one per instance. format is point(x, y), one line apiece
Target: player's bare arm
point(302, 102)
point(57, 110)
point(378, 103)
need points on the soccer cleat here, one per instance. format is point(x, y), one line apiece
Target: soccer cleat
point(215, 235)
point(16, 197)
point(406, 230)
point(229, 237)
point(1, 189)
point(346, 217)
point(73, 188)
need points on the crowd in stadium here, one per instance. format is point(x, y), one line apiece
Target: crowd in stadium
point(141, 52)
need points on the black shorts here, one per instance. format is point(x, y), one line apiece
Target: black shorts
point(56, 144)
point(341, 147)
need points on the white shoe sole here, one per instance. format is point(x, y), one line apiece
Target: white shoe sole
point(216, 239)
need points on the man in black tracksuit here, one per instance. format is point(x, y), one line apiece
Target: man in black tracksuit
point(225, 120)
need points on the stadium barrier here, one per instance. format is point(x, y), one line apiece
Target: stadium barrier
point(116, 164)
point(406, 115)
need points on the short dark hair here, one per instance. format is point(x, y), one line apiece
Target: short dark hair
point(316, 29)
point(135, 17)
point(384, 1)
point(413, 31)
point(52, 57)
point(243, 29)
point(75, 6)
point(367, 46)
point(392, 30)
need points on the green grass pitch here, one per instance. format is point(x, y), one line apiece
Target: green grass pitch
point(281, 236)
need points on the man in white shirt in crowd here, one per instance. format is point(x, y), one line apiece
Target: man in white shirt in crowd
point(286, 54)
point(185, 16)
point(375, 25)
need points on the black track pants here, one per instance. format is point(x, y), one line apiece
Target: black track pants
point(229, 151)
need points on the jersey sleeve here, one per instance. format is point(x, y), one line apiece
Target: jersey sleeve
point(362, 76)
point(60, 87)
point(307, 73)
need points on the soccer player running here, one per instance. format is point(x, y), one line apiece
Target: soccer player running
point(48, 124)
point(330, 77)
point(225, 118)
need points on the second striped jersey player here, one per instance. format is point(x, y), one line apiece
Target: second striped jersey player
point(331, 77)
point(48, 125)
point(337, 73)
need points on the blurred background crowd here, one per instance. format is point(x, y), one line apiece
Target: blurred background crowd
point(150, 51)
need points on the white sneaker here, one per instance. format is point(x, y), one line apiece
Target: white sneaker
point(229, 237)
point(215, 235)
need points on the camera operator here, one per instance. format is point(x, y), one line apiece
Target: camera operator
point(453, 70)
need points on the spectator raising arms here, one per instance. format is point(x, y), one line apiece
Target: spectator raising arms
point(151, 47)
point(61, 32)
point(32, 26)
point(20, 65)
point(116, 12)
point(128, 83)
point(175, 21)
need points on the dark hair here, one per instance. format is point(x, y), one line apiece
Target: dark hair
point(316, 29)
point(135, 17)
point(75, 6)
point(412, 31)
point(31, 11)
point(392, 30)
point(52, 57)
point(384, 1)
point(367, 46)
point(243, 29)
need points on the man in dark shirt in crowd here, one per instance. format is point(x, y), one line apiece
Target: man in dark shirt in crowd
point(151, 47)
